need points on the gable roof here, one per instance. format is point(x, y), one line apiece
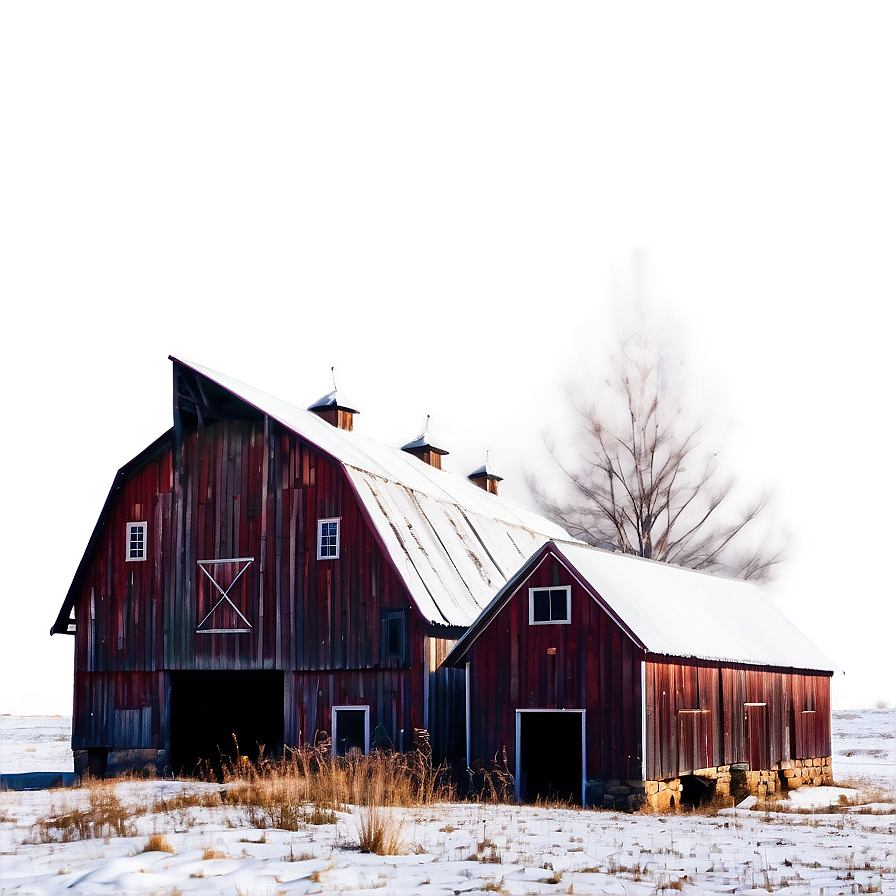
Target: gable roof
point(672, 611)
point(453, 544)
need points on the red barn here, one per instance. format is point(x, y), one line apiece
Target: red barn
point(615, 680)
point(266, 573)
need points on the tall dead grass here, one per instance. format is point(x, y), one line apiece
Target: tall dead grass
point(310, 786)
point(104, 816)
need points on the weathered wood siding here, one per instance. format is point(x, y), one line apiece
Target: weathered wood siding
point(394, 697)
point(747, 713)
point(446, 716)
point(124, 710)
point(242, 489)
point(594, 666)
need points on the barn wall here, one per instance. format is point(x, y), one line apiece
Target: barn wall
point(701, 714)
point(119, 611)
point(240, 500)
point(394, 697)
point(236, 500)
point(241, 489)
point(810, 707)
point(446, 716)
point(118, 709)
point(595, 666)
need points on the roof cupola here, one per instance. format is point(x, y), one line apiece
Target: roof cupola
point(486, 477)
point(426, 448)
point(335, 407)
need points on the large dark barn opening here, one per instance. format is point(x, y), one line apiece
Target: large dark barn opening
point(550, 756)
point(212, 712)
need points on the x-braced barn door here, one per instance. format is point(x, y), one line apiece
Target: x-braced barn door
point(756, 736)
point(222, 591)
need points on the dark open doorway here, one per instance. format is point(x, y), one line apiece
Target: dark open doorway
point(549, 755)
point(210, 709)
point(351, 729)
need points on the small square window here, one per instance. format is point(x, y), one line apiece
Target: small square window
point(328, 539)
point(549, 605)
point(136, 542)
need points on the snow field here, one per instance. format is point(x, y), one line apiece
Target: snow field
point(819, 840)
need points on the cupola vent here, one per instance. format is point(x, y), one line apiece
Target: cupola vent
point(335, 407)
point(426, 448)
point(486, 477)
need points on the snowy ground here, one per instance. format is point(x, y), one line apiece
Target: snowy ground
point(821, 844)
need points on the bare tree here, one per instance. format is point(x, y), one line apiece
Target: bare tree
point(643, 482)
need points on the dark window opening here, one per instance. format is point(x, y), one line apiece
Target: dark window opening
point(393, 637)
point(214, 713)
point(97, 760)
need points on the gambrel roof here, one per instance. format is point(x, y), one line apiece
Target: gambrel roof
point(453, 544)
point(671, 611)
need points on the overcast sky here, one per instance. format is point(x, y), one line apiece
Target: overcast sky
point(449, 203)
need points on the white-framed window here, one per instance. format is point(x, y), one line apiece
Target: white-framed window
point(549, 606)
point(328, 539)
point(351, 729)
point(135, 541)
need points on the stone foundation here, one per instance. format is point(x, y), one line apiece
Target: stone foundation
point(738, 782)
point(102, 763)
point(734, 781)
point(624, 796)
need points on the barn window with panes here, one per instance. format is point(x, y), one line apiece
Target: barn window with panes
point(136, 541)
point(392, 634)
point(328, 539)
point(549, 605)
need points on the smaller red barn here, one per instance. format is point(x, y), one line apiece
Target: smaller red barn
point(613, 680)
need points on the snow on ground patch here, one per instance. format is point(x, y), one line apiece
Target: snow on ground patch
point(452, 848)
point(863, 744)
point(820, 797)
point(35, 744)
point(820, 842)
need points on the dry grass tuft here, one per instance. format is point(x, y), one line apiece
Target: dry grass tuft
point(710, 808)
point(186, 799)
point(491, 782)
point(309, 786)
point(157, 843)
point(210, 853)
point(380, 831)
point(105, 816)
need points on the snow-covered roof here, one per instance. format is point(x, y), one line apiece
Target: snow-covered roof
point(453, 543)
point(335, 399)
point(677, 612)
